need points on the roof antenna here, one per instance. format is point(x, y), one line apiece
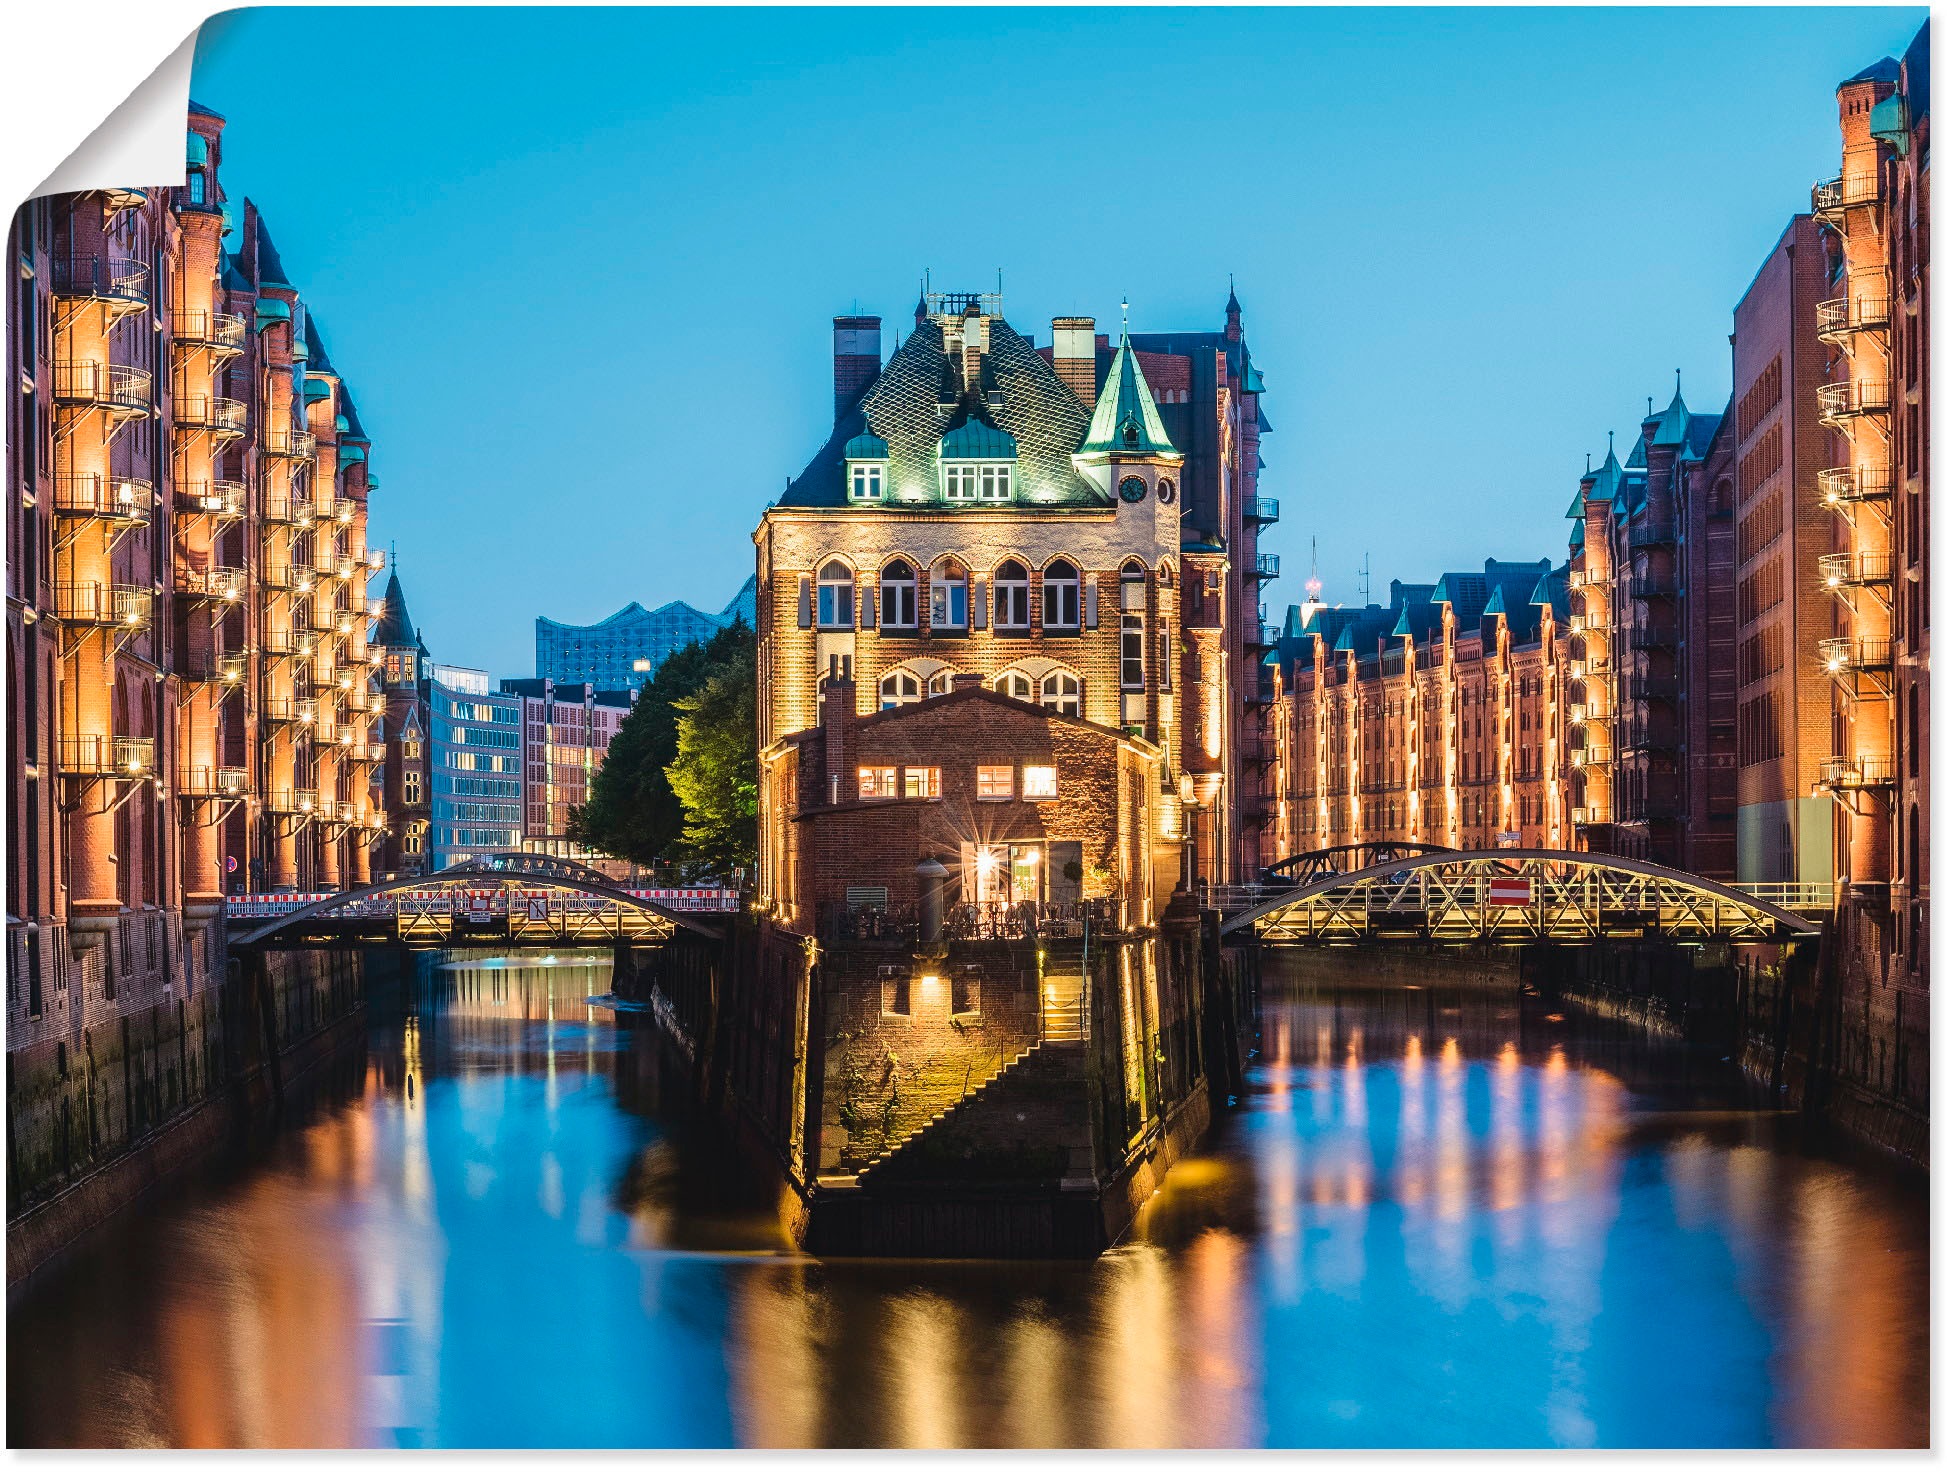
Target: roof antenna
point(1588, 463)
point(1679, 383)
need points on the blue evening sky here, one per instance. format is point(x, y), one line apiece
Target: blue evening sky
point(579, 265)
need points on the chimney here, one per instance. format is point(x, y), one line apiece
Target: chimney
point(967, 680)
point(837, 715)
point(855, 360)
point(1075, 356)
point(973, 342)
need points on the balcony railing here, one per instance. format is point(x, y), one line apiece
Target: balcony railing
point(1593, 755)
point(340, 509)
point(1266, 565)
point(1652, 636)
point(1581, 817)
point(215, 669)
point(1834, 197)
point(296, 444)
point(213, 782)
point(1839, 318)
point(1261, 508)
point(1653, 531)
point(123, 499)
point(368, 751)
point(108, 605)
point(200, 328)
point(1653, 687)
point(1855, 569)
point(839, 925)
point(284, 643)
point(1839, 402)
point(112, 386)
point(1653, 587)
point(108, 756)
point(111, 279)
point(1851, 773)
point(289, 510)
point(1841, 655)
point(223, 499)
point(285, 710)
point(290, 800)
point(1578, 712)
point(375, 558)
point(213, 584)
point(1849, 483)
point(211, 412)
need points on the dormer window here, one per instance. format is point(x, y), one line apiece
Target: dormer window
point(868, 481)
point(977, 465)
point(865, 468)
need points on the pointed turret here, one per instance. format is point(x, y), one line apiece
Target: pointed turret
point(1126, 424)
point(1233, 315)
point(394, 630)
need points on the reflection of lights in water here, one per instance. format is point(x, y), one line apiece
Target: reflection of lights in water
point(921, 1347)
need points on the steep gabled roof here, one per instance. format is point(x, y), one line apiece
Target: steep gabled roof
point(395, 630)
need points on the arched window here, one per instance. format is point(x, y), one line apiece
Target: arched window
point(1061, 693)
point(1015, 685)
point(1061, 597)
point(949, 595)
point(899, 596)
point(834, 596)
point(1133, 591)
point(1011, 596)
point(941, 682)
point(900, 687)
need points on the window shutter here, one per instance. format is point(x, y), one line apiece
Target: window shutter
point(868, 606)
point(1091, 590)
point(804, 600)
point(980, 603)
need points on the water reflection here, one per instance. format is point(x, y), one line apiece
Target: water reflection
point(1439, 1220)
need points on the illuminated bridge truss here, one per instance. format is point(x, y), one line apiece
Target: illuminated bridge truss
point(497, 901)
point(1514, 897)
point(1345, 858)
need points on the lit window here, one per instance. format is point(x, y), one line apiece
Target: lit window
point(899, 596)
point(1061, 596)
point(878, 782)
point(941, 682)
point(1037, 783)
point(1132, 626)
point(835, 596)
point(996, 483)
point(949, 595)
point(901, 687)
point(994, 784)
point(1011, 596)
point(868, 482)
point(922, 781)
point(1061, 693)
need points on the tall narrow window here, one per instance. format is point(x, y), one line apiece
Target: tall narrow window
point(949, 596)
point(1061, 598)
point(1132, 626)
point(899, 596)
point(1011, 597)
point(835, 596)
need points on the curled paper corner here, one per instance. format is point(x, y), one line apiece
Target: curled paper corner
point(140, 143)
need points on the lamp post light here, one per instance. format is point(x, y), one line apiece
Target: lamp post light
point(1188, 794)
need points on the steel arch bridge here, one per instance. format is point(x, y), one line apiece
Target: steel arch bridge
point(496, 901)
point(1345, 858)
point(1514, 897)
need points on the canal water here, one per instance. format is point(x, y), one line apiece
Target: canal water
point(1437, 1220)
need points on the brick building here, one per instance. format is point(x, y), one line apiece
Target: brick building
point(1028, 516)
point(187, 665)
point(1652, 662)
point(1877, 399)
point(565, 733)
point(1784, 530)
point(1438, 717)
point(1022, 804)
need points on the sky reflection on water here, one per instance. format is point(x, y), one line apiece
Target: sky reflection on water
point(1439, 1221)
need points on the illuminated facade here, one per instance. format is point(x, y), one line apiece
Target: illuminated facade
point(985, 509)
point(1877, 400)
point(188, 678)
point(1439, 717)
point(565, 732)
point(1652, 662)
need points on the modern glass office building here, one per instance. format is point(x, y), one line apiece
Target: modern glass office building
point(624, 649)
point(475, 769)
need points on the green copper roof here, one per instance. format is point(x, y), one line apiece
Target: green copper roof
point(272, 309)
point(1607, 480)
point(199, 150)
point(1576, 535)
point(1125, 420)
point(1673, 422)
point(974, 440)
point(1888, 123)
point(316, 389)
point(1495, 603)
point(867, 446)
point(340, 423)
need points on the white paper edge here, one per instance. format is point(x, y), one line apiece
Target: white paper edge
point(140, 144)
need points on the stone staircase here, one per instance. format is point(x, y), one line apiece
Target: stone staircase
point(1063, 1016)
point(1030, 1120)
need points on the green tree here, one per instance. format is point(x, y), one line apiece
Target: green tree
point(714, 775)
point(632, 812)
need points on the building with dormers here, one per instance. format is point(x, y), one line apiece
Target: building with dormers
point(985, 508)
